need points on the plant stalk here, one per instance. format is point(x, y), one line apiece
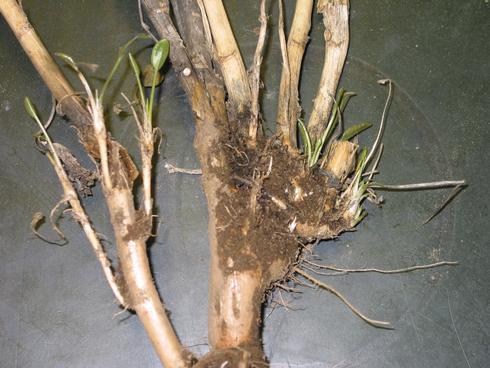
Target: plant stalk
point(229, 58)
point(63, 92)
point(336, 20)
point(296, 44)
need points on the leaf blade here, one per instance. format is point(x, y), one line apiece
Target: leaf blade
point(355, 130)
point(159, 54)
point(30, 109)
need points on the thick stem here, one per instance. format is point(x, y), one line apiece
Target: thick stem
point(235, 310)
point(152, 312)
point(51, 74)
point(229, 58)
point(297, 40)
point(336, 21)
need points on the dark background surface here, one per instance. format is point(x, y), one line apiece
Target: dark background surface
point(55, 307)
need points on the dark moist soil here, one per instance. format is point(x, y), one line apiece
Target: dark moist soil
point(256, 209)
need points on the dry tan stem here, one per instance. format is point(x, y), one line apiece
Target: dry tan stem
point(374, 322)
point(101, 135)
point(146, 149)
point(255, 73)
point(144, 298)
point(285, 87)
point(131, 243)
point(42, 60)
point(297, 40)
point(146, 144)
point(336, 21)
point(207, 28)
point(230, 60)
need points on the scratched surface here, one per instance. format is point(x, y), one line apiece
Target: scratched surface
point(55, 308)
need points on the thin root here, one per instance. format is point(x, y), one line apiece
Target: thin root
point(52, 218)
point(420, 186)
point(377, 270)
point(37, 219)
point(318, 283)
point(452, 195)
point(382, 125)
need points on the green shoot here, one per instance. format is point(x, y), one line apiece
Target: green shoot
point(361, 162)
point(305, 137)
point(338, 108)
point(69, 60)
point(31, 111)
point(313, 150)
point(137, 75)
point(159, 55)
point(120, 56)
point(355, 130)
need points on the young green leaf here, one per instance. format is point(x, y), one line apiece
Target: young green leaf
point(345, 99)
point(361, 160)
point(137, 75)
point(159, 54)
point(31, 110)
point(134, 65)
point(305, 138)
point(43, 135)
point(336, 112)
point(317, 150)
point(355, 130)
